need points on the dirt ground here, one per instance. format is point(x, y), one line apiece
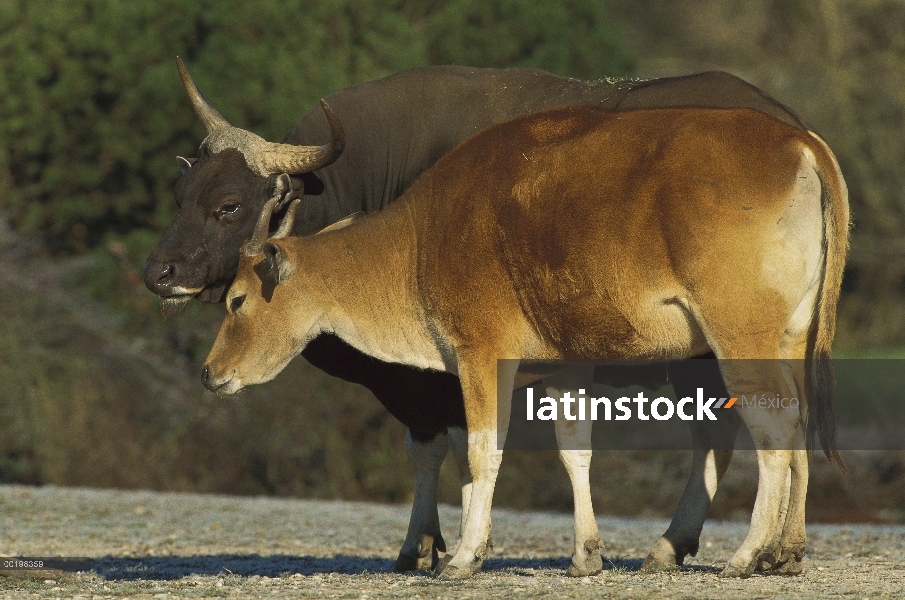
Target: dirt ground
point(147, 544)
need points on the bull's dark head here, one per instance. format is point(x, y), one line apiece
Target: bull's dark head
point(220, 195)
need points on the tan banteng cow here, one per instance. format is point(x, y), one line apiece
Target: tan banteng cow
point(581, 233)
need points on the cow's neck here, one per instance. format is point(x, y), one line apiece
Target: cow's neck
point(365, 275)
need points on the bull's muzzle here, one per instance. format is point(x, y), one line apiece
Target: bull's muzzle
point(159, 277)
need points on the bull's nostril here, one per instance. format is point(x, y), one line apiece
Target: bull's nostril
point(205, 374)
point(165, 273)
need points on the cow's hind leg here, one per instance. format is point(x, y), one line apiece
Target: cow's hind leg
point(712, 444)
point(791, 540)
point(423, 541)
point(777, 435)
point(574, 440)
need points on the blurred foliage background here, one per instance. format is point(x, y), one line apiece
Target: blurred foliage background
point(96, 388)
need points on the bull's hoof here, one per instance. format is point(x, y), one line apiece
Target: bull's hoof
point(654, 564)
point(427, 555)
point(454, 573)
point(733, 572)
point(442, 564)
point(405, 563)
point(666, 557)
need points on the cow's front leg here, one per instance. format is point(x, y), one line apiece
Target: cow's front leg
point(423, 540)
point(486, 436)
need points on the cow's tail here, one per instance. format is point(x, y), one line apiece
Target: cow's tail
point(834, 199)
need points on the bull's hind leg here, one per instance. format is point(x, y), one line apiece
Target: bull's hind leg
point(423, 540)
point(709, 464)
point(574, 440)
point(712, 444)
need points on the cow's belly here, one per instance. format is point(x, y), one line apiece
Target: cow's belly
point(653, 326)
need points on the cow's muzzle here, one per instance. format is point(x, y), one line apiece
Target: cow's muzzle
point(228, 384)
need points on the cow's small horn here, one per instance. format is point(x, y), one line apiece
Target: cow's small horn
point(288, 158)
point(288, 220)
point(262, 228)
point(212, 119)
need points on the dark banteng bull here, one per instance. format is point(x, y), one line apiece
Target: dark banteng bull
point(396, 128)
point(581, 233)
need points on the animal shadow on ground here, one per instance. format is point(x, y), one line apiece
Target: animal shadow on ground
point(177, 567)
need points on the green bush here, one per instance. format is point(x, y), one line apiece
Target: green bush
point(92, 111)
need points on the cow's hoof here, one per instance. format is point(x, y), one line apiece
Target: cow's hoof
point(586, 561)
point(591, 565)
point(733, 572)
point(789, 568)
point(763, 566)
point(454, 573)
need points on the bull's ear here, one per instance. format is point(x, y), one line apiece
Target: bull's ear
point(185, 163)
point(282, 188)
point(311, 184)
point(290, 187)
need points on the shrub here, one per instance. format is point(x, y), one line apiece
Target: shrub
point(93, 111)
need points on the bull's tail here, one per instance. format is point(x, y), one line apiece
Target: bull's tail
point(834, 200)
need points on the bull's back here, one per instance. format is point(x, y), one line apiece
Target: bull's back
point(398, 127)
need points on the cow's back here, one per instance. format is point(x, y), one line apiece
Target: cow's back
point(572, 221)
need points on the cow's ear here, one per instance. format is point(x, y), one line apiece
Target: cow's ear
point(342, 223)
point(273, 269)
point(185, 163)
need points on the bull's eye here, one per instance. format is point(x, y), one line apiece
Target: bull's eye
point(228, 210)
point(236, 303)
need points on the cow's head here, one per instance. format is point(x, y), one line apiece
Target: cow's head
point(220, 196)
point(269, 320)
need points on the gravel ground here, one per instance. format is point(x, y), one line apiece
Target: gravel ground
point(159, 545)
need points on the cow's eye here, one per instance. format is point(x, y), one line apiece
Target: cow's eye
point(236, 303)
point(229, 209)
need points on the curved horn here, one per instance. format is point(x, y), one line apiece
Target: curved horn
point(288, 158)
point(256, 243)
point(288, 220)
point(212, 119)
